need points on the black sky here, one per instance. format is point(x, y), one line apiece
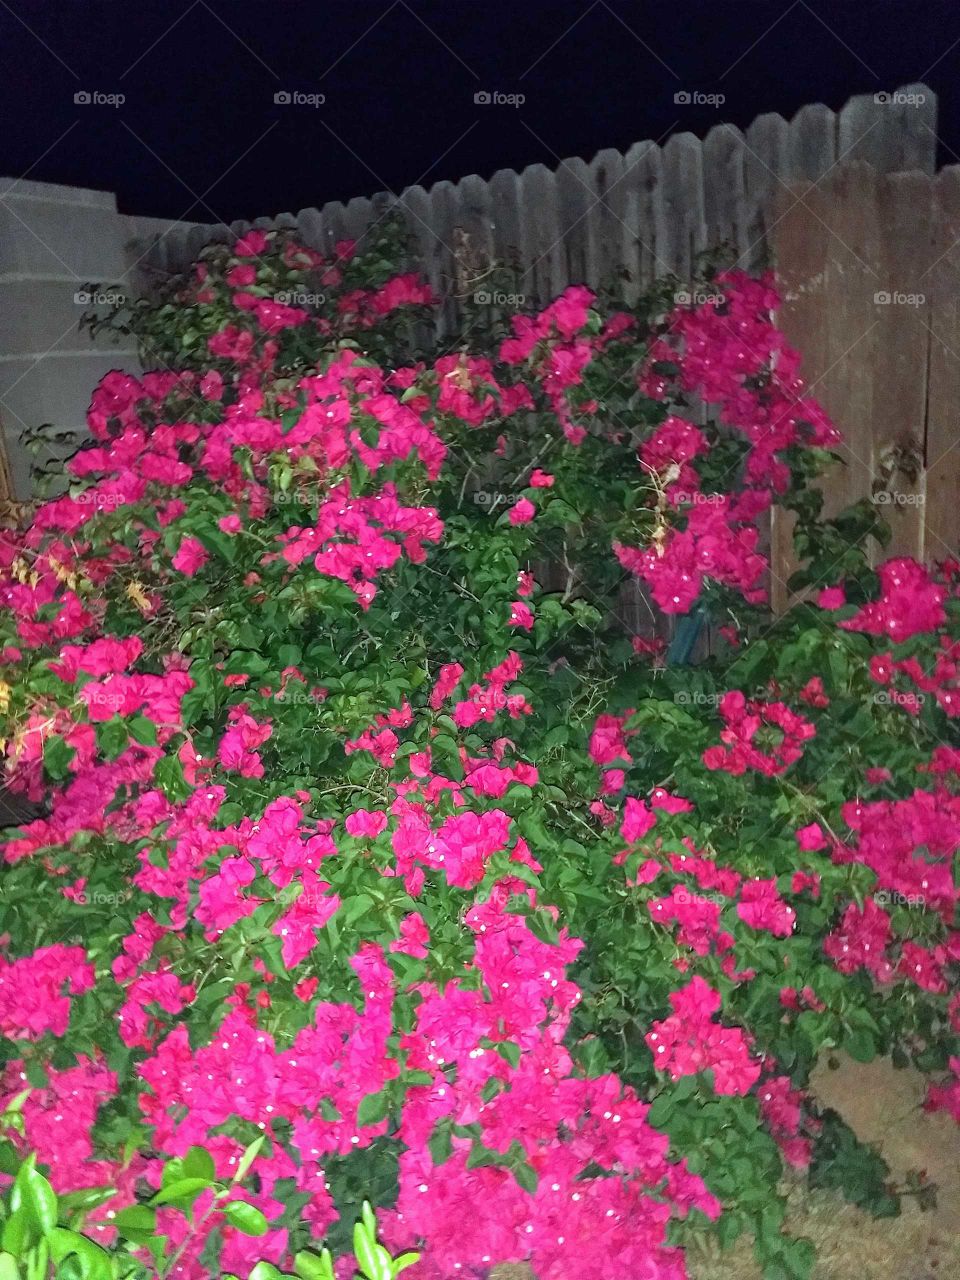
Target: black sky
point(199, 135)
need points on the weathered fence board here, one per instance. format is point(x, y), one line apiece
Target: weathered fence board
point(639, 215)
point(870, 267)
point(942, 281)
point(846, 204)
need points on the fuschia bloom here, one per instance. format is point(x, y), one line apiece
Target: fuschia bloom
point(366, 823)
point(832, 598)
point(191, 556)
point(522, 511)
point(521, 615)
point(811, 838)
point(638, 820)
point(251, 245)
point(761, 907)
point(241, 275)
point(414, 936)
point(211, 385)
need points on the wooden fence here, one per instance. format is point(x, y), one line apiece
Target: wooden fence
point(846, 205)
point(636, 215)
point(870, 267)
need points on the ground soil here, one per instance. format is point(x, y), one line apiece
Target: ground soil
point(883, 1106)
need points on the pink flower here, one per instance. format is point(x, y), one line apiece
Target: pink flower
point(414, 936)
point(522, 512)
point(612, 781)
point(211, 385)
point(761, 907)
point(661, 799)
point(811, 838)
point(689, 1042)
point(832, 598)
point(297, 927)
point(607, 742)
point(540, 479)
point(243, 274)
point(230, 524)
point(251, 245)
point(366, 823)
point(910, 603)
point(520, 615)
point(638, 820)
point(191, 556)
point(875, 776)
point(35, 991)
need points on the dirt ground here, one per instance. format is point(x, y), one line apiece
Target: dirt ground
point(883, 1107)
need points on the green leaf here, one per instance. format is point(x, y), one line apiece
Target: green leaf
point(136, 1223)
point(310, 1266)
point(525, 1176)
point(403, 1261)
point(861, 1045)
point(441, 1144)
point(660, 1111)
point(143, 730)
point(18, 1233)
point(169, 777)
point(57, 756)
point(198, 1163)
point(245, 1217)
point(266, 1271)
point(34, 1193)
point(113, 737)
point(373, 1108)
point(509, 1051)
point(184, 1190)
point(250, 1153)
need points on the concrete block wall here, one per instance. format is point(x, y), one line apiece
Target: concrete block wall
point(54, 242)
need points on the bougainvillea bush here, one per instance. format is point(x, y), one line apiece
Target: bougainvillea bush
point(368, 834)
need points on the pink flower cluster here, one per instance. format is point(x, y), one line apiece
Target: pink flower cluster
point(765, 736)
point(689, 1041)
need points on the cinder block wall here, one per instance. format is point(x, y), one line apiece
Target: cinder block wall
point(54, 242)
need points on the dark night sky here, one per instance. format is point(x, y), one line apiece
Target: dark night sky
point(200, 137)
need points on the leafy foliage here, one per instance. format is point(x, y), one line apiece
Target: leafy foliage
point(374, 843)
